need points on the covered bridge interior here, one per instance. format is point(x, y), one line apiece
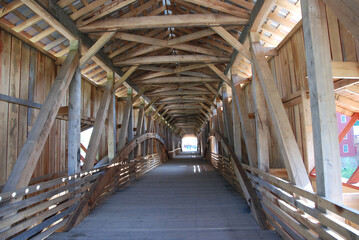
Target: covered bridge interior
point(96, 96)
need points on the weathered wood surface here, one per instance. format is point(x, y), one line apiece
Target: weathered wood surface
point(148, 199)
point(26, 162)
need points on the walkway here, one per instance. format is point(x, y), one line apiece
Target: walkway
point(182, 199)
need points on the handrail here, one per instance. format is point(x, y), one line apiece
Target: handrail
point(40, 209)
point(295, 212)
point(257, 208)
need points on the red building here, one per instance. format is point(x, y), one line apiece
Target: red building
point(347, 148)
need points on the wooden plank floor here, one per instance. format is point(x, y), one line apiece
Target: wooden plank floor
point(182, 199)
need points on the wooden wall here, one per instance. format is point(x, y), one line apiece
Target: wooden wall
point(290, 75)
point(28, 74)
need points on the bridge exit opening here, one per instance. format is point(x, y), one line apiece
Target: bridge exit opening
point(189, 143)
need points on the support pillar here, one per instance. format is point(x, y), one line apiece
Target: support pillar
point(74, 125)
point(111, 134)
point(126, 116)
point(262, 130)
point(321, 91)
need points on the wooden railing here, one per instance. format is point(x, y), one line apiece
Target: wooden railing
point(224, 166)
point(174, 152)
point(293, 212)
point(59, 204)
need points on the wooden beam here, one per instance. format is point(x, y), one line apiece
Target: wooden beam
point(130, 129)
point(262, 129)
point(227, 115)
point(152, 102)
point(157, 110)
point(321, 92)
point(139, 94)
point(125, 77)
point(282, 128)
point(209, 86)
point(104, 11)
point(111, 131)
point(347, 12)
point(157, 44)
point(22, 102)
point(126, 116)
point(219, 74)
point(172, 59)
point(169, 80)
point(192, 36)
point(99, 125)
point(232, 41)
point(306, 118)
point(10, 7)
point(222, 7)
point(139, 127)
point(164, 21)
point(27, 160)
point(74, 124)
point(96, 47)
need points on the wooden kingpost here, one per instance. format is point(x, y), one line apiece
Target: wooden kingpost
point(130, 128)
point(150, 130)
point(262, 130)
point(321, 92)
point(125, 120)
point(111, 134)
point(227, 115)
point(74, 122)
point(139, 127)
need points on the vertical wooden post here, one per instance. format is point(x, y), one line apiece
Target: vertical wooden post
point(262, 130)
point(308, 146)
point(219, 116)
point(227, 115)
point(237, 140)
point(130, 130)
point(111, 131)
point(139, 126)
point(321, 91)
point(74, 123)
point(125, 120)
point(150, 129)
point(99, 124)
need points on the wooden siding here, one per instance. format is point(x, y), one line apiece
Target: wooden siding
point(290, 74)
point(28, 74)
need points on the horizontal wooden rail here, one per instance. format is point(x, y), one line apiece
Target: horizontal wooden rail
point(294, 212)
point(63, 202)
point(254, 200)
